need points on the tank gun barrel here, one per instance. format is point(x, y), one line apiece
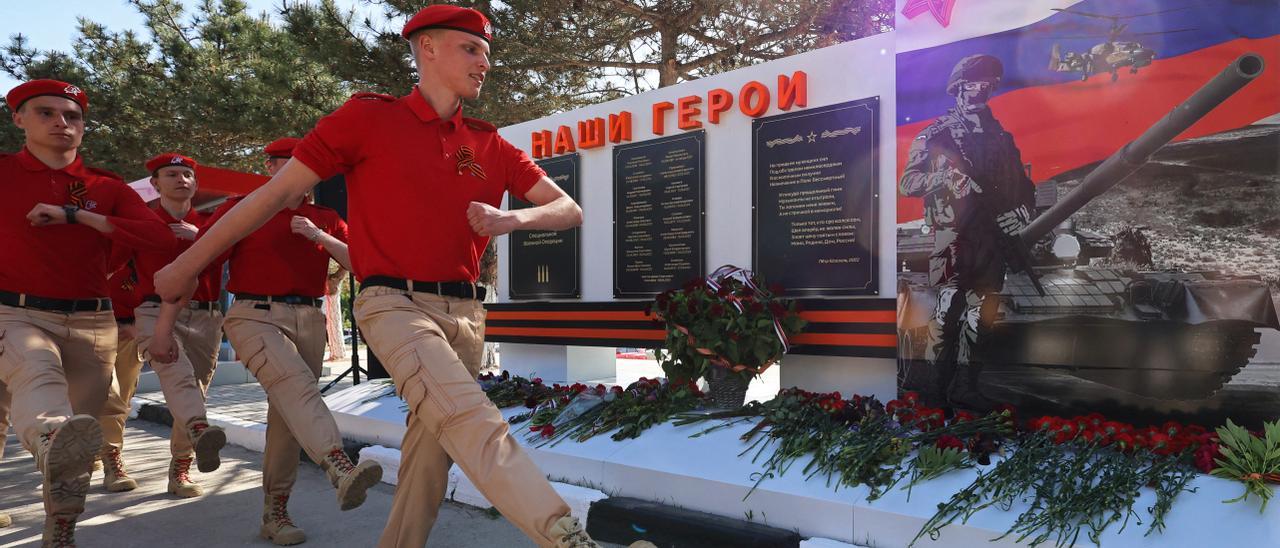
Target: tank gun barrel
point(1129, 158)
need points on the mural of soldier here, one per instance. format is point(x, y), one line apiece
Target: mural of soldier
point(976, 195)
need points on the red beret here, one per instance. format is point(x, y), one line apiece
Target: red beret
point(169, 159)
point(35, 88)
point(445, 16)
point(282, 148)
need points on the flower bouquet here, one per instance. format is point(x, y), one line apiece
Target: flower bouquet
point(727, 328)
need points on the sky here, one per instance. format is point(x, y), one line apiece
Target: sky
point(52, 24)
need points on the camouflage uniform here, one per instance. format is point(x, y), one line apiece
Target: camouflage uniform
point(975, 190)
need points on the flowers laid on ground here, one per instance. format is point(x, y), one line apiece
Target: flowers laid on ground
point(1080, 475)
point(1075, 476)
point(589, 412)
point(728, 320)
point(853, 442)
point(505, 390)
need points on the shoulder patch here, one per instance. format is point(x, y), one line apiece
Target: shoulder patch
point(479, 125)
point(369, 95)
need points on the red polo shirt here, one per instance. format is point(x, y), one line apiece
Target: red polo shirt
point(274, 261)
point(67, 261)
point(410, 178)
point(208, 285)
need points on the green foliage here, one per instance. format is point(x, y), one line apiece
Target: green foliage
point(1249, 459)
point(216, 83)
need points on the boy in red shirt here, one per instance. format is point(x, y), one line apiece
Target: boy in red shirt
point(276, 325)
point(58, 220)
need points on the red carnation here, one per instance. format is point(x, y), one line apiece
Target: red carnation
point(1205, 457)
point(1160, 443)
point(1125, 441)
point(947, 441)
point(1044, 423)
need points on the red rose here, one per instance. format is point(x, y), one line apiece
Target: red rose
point(963, 416)
point(911, 397)
point(777, 309)
point(1171, 428)
point(537, 380)
point(548, 431)
point(755, 307)
point(947, 441)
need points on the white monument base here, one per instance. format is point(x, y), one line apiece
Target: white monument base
point(555, 363)
point(706, 473)
point(866, 376)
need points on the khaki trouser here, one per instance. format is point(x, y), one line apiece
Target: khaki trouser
point(183, 382)
point(55, 365)
point(432, 347)
point(4, 416)
point(283, 346)
point(124, 382)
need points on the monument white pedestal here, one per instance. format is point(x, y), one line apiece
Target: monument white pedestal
point(554, 363)
point(665, 465)
point(864, 376)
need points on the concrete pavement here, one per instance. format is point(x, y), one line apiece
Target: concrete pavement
point(229, 512)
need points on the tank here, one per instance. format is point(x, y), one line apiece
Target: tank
point(1153, 334)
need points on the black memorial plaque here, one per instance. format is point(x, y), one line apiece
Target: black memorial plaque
point(658, 214)
point(814, 199)
point(544, 263)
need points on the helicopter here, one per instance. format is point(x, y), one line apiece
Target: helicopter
point(1109, 56)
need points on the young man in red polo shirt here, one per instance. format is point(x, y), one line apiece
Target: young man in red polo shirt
point(276, 325)
point(185, 381)
point(423, 186)
point(58, 220)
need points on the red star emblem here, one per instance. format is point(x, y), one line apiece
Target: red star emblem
point(941, 9)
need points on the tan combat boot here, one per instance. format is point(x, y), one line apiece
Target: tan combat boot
point(276, 525)
point(5, 521)
point(115, 478)
point(59, 532)
point(180, 478)
point(65, 456)
point(351, 480)
point(207, 441)
point(568, 533)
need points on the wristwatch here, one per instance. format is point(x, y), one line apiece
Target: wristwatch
point(71, 213)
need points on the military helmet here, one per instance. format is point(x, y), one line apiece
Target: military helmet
point(974, 67)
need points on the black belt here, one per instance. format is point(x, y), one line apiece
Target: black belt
point(198, 305)
point(462, 290)
point(23, 300)
point(282, 299)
